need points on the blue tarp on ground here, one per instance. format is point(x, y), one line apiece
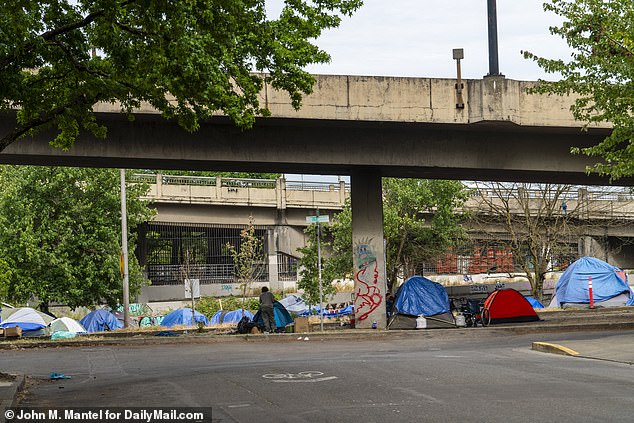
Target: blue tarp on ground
point(607, 282)
point(282, 316)
point(183, 316)
point(100, 321)
point(227, 316)
point(534, 302)
point(419, 295)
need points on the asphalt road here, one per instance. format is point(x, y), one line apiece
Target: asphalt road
point(430, 378)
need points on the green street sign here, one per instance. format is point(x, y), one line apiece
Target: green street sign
point(321, 219)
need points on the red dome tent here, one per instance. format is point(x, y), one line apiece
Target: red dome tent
point(507, 306)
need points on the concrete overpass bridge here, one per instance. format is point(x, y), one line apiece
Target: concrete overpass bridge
point(367, 127)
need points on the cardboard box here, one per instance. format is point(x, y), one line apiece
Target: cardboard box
point(302, 325)
point(13, 332)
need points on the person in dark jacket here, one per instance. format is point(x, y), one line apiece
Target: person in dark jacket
point(266, 305)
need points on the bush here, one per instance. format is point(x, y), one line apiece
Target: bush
point(210, 305)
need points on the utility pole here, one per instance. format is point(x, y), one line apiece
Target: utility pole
point(321, 291)
point(124, 254)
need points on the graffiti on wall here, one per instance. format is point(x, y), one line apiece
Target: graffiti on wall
point(368, 294)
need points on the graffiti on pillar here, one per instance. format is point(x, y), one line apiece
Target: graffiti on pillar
point(368, 294)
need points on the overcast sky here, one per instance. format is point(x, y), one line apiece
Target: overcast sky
point(416, 37)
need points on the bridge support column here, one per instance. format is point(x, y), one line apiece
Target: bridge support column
point(368, 250)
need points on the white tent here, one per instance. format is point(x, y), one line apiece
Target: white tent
point(27, 318)
point(67, 324)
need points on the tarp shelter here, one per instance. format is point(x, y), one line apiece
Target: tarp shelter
point(534, 302)
point(66, 324)
point(229, 316)
point(27, 318)
point(294, 304)
point(183, 316)
point(507, 306)
point(100, 321)
point(418, 296)
point(609, 285)
point(282, 317)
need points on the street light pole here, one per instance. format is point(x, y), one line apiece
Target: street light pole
point(124, 253)
point(321, 291)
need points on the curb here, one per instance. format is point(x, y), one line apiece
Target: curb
point(353, 335)
point(553, 349)
point(8, 395)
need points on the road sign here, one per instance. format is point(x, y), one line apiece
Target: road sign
point(321, 219)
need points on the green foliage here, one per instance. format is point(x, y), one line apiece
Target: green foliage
point(60, 234)
point(210, 305)
point(309, 273)
point(248, 258)
point(420, 222)
point(601, 70)
point(187, 59)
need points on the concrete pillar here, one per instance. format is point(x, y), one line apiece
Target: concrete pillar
point(274, 279)
point(368, 250)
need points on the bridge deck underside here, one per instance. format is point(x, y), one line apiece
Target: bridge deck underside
point(496, 151)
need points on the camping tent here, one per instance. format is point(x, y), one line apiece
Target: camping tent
point(100, 320)
point(294, 304)
point(609, 285)
point(183, 316)
point(420, 296)
point(226, 316)
point(66, 324)
point(534, 302)
point(507, 306)
point(27, 318)
point(282, 317)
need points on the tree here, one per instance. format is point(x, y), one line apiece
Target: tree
point(187, 59)
point(600, 71)
point(308, 280)
point(542, 222)
point(419, 224)
point(60, 234)
point(248, 258)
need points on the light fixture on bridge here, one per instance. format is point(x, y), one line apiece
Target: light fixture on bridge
point(458, 54)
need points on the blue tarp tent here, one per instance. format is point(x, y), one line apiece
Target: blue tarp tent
point(227, 316)
point(420, 296)
point(183, 316)
point(534, 302)
point(608, 283)
point(282, 316)
point(100, 320)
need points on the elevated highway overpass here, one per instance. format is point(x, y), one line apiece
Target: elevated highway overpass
point(367, 127)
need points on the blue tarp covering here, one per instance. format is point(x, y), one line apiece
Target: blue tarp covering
point(534, 303)
point(100, 320)
point(224, 316)
point(419, 295)
point(607, 282)
point(347, 310)
point(282, 316)
point(183, 316)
